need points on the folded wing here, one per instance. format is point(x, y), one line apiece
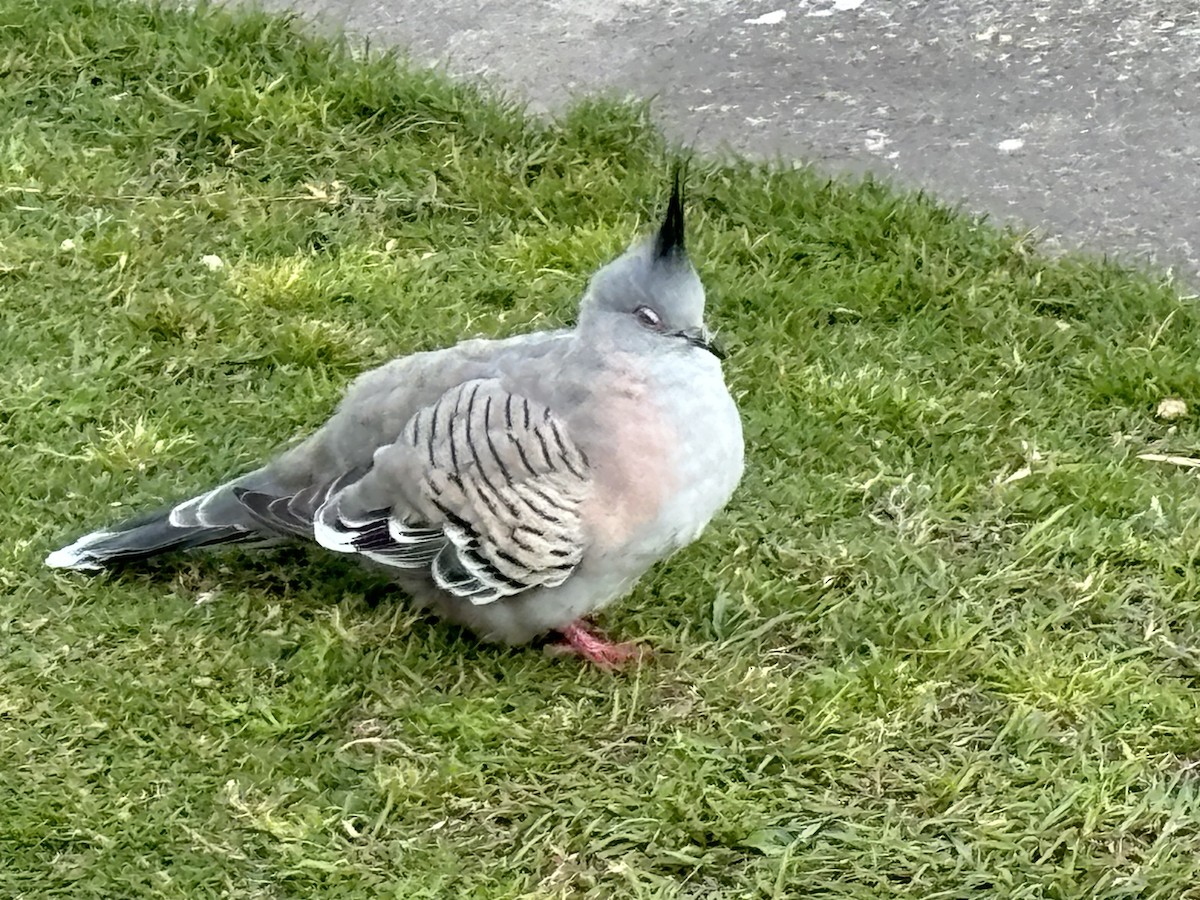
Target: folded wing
point(482, 490)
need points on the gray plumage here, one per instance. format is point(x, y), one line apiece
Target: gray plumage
point(512, 485)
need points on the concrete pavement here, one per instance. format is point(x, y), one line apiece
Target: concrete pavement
point(1079, 118)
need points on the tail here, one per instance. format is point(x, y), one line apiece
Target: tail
point(213, 518)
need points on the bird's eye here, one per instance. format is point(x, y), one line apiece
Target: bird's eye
point(647, 317)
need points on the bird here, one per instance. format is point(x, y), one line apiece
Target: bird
point(511, 486)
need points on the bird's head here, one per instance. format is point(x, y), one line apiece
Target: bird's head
point(652, 290)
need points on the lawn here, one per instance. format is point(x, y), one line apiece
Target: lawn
point(945, 641)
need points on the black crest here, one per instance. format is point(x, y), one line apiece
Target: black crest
point(669, 242)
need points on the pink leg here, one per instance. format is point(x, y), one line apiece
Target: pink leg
point(579, 639)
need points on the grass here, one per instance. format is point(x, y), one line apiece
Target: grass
point(944, 643)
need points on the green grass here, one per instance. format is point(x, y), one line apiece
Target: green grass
point(944, 643)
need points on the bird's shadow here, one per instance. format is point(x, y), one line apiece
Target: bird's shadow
point(309, 580)
point(289, 571)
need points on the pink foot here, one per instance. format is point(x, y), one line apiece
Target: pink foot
point(579, 639)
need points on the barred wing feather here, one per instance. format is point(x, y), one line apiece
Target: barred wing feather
point(483, 489)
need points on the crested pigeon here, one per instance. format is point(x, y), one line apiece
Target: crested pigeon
point(511, 486)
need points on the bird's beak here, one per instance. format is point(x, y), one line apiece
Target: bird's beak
point(704, 339)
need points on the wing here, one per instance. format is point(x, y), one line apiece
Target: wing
point(293, 514)
point(482, 490)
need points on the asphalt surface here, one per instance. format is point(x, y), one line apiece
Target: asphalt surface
point(1079, 119)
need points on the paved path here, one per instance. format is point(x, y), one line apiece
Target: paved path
point(1080, 118)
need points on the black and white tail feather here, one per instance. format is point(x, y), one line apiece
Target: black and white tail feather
point(202, 521)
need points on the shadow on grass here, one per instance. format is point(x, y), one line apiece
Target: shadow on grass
point(311, 580)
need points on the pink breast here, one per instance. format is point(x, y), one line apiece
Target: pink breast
point(631, 463)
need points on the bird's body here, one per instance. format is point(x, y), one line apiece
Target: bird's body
point(512, 486)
